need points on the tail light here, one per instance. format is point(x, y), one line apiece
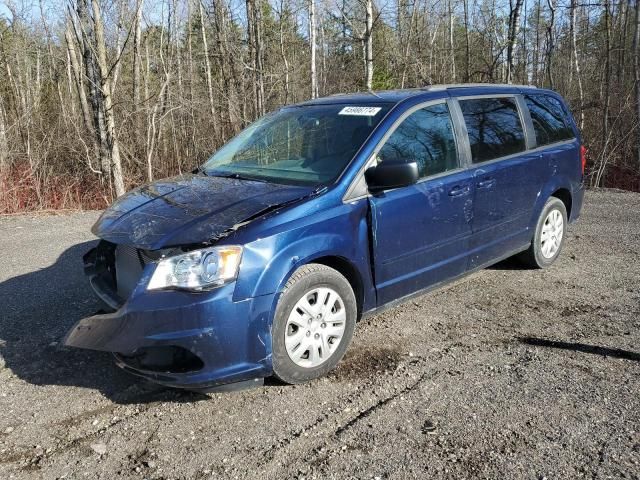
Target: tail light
point(583, 157)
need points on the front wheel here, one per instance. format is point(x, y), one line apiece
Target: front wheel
point(313, 325)
point(549, 235)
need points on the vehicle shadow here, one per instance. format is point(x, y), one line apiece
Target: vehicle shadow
point(38, 308)
point(581, 347)
point(510, 263)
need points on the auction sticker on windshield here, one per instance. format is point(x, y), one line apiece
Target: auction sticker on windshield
point(361, 111)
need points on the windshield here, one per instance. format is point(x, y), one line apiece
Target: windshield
point(307, 145)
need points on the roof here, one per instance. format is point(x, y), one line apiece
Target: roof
point(396, 96)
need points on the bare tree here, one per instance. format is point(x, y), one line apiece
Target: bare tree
point(78, 79)
point(283, 54)
point(254, 35)
point(226, 65)
point(207, 62)
point(131, 90)
point(368, 40)
point(312, 42)
point(636, 73)
point(364, 35)
point(452, 50)
point(137, 35)
point(467, 46)
point(576, 61)
point(514, 28)
point(551, 40)
point(4, 146)
point(107, 102)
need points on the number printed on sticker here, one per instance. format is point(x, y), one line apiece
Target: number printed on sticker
point(361, 111)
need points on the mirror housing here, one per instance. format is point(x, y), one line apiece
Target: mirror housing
point(389, 175)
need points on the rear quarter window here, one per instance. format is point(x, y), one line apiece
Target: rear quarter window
point(550, 122)
point(494, 127)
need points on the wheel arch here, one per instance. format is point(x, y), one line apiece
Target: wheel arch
point(349, 271)
point(564, 195)
point(558, 187)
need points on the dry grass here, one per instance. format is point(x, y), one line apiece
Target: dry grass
point(23, 191)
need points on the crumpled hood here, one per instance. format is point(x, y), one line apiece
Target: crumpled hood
point(188, 209)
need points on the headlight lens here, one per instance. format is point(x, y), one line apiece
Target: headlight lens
point(198, 270)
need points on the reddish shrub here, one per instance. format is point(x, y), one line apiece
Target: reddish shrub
point(23, 191)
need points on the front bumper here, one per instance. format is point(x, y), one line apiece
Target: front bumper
point(224, 341)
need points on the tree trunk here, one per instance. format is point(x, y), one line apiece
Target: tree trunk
point(636, 75)
point(225, 61)
point(207, 63)
point(452, 52)
point(137, 34)
point(551, 41)
point(119, 45)
point(536, 53)
point(283, 54)
point(254, 37)
point(4, 146)
point(514, 28)
point(407, 47)
point(467, 51)
point(105, 87)
point(576, 61)
point(78, 78)
point(312, 42)
point(323, 75)
point(368, 39)
point(606, 101)
point(86, 38)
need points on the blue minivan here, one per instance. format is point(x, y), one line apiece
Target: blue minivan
point(262, 261)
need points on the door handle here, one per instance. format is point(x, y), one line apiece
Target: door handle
point(486, 183)
point(459, 190)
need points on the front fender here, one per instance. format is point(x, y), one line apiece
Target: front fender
point(268, 263)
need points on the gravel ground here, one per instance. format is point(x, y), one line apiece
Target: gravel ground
point(508, 373)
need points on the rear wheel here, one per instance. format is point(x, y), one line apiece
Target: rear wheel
point(549, 235)
point(314, 323)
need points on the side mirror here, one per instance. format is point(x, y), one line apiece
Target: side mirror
point(388, 175)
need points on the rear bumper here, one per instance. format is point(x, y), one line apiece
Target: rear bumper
point(230, 340)
point(577, 199)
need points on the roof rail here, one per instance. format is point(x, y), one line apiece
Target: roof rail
point(434, 87)
point(446, 86)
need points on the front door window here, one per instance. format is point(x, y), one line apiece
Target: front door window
point(426, 136)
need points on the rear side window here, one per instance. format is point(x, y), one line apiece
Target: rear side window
point(549, 119)
point(494, 127)
point(426, 137)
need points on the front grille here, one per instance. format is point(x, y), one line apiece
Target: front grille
point(130, 263)
point(115, 270)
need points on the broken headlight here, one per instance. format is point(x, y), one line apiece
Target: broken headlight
point(197, 270)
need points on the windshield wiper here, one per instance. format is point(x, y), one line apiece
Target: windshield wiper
point(199, 171)
point(236, 176)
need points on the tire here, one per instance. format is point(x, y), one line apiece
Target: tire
point(540, 253)
point(303, 321)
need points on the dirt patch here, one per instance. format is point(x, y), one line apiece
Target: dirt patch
point(579, 309)
point(363, 362)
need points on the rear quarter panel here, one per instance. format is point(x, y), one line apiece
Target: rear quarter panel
point(565, 165)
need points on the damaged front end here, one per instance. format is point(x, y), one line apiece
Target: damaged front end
point(166, 331)
point(194, 340)
point(113, 276)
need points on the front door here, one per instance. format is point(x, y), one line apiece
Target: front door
point(421, 232)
